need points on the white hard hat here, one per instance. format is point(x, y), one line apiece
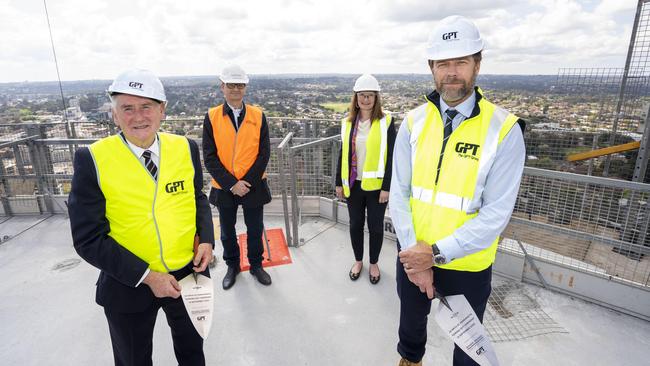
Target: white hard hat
point(233, 74)
point(366, 82)
point(142, 83)
point(455, 36)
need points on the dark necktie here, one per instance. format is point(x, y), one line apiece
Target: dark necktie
point(150, 165)
point(450, 114)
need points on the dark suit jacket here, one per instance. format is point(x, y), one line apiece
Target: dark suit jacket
point(120, 269)
point(259, 194)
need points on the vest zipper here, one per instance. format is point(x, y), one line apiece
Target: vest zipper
point(153, 211)
point(234, 149)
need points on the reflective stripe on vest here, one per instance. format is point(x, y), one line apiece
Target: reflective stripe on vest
point(438, 210)
point(155, 220)
point(374, 166)
point(237, 149)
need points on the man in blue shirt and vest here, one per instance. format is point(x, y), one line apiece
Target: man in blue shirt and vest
point(458, 163)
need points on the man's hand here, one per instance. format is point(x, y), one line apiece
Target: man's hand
point(424, 280)
point(417, 258)
point(339, 193)
point(163, 284)
point(202, 257)
point(383, 196)
point(241, 188)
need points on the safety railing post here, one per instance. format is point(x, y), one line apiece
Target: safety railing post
point(295, 214)
point(283, 185)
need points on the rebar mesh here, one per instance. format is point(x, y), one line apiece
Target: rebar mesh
point(513, 314)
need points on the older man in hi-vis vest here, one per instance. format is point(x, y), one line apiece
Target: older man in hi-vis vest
point(136, 211)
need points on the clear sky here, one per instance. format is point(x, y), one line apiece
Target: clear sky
point(96, 39)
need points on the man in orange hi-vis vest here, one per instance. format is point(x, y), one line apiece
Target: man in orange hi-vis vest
point(236, 150)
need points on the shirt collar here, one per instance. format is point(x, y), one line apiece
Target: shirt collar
point(235, 109)
point(465, 108)
point(227, 108)
point(137, 150)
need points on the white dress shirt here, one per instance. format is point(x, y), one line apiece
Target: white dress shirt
point(499, 196)
point(235, 112)
point(154, 148)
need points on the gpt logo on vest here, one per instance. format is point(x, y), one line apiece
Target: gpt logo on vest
point(175, 187)
point(467, 150)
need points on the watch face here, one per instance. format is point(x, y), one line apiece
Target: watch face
point(439, 259)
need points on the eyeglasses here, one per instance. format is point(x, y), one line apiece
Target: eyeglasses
point(235, 85)
point(366, 95)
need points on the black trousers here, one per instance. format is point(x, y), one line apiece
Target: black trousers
point(253, 217)
point(358, 202)
point(132, 333)
point(415, 307)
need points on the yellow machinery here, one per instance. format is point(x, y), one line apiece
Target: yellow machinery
point(604, 151)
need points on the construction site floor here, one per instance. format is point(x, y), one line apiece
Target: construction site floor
point(312, 314)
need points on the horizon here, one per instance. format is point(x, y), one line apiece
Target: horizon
point(279, 75)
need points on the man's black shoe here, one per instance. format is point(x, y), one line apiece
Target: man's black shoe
point(230, 277)
point(261, 275)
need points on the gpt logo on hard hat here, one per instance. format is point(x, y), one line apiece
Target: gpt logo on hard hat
point(449, 36)
point(135, 84)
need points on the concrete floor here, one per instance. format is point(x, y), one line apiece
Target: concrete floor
point(311, 315)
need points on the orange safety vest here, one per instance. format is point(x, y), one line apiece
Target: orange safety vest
point(236, 149)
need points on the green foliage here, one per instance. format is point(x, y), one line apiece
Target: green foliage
point(336, 107)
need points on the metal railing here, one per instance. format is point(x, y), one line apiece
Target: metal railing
point(593, 224)
point(310, 169)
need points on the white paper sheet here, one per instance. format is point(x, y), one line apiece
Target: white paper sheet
point(464, 328)
point(198, 297)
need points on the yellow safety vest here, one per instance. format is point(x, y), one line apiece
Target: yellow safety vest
point(154, 220)
point(374, 167)
point(439, 209)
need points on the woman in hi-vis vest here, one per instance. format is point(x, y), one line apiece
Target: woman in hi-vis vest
point(364, 170)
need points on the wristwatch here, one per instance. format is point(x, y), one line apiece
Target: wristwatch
point(438, 258)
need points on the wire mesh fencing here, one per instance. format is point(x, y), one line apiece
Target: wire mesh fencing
point(599, 107)
point(611, 104)
point(310, 169)
point(591, 223)
point(596, 224)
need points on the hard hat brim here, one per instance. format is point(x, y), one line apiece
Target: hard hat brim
point(144, 93)
point(140, 83)
point(234, 80)
point(438, 53)
point(356, 90)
